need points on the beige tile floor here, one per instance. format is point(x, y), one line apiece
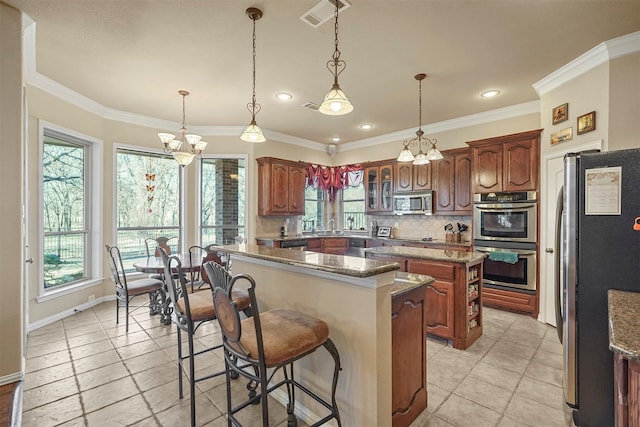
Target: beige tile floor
point(84, 370)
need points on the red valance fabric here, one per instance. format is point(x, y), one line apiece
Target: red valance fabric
point(333, 178)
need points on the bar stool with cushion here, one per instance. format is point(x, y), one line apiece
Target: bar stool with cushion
point(190, 311)
point(270, 340)
point(126, 290)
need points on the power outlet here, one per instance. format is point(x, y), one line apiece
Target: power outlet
point(91, 298)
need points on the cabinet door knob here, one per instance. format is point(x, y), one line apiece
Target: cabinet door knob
point(549, 250)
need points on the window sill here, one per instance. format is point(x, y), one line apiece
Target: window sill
point(48, 295)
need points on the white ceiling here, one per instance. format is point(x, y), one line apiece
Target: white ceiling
point(135, 55)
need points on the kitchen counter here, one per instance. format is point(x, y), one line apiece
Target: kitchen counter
point(624, 323)
point(426, 253)
point(367, 236)
point(337, 264)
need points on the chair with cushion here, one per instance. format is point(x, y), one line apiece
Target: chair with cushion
point(257, 347)
point(198, 278)
point(165, 243)
point(127, 290)
point(190, 311)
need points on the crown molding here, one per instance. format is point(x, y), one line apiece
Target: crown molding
point(532, 107)
point(604, 52)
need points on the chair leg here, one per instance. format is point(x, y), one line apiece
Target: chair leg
point(117, 309)
point(192, 381)
point(126, 320)
point(180, 394)
point(264, 397)
point(292, 420)
point(228, 370)
point(333, 351)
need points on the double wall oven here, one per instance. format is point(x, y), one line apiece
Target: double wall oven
point(505, 227)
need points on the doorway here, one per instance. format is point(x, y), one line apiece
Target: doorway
point(552, 181)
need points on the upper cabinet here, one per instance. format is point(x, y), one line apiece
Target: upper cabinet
point(378, 182)
point(452, 182)
point(506, 163)
point(281, 186)
point(409, 177)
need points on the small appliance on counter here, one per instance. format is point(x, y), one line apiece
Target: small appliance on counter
point(384, 231)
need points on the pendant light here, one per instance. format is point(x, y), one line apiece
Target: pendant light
point(187, 146)
point(432, 153)
point(253, 133)
point(335, 101)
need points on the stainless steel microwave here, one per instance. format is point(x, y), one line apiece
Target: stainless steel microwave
point(413, 203)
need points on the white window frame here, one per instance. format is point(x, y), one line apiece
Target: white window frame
point(247, 178)
point(93, 212)
point(114, 203)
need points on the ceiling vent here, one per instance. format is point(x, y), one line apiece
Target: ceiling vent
point(323, 11)
point(311, 106)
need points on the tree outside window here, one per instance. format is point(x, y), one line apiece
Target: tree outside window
point(65, 216)
point(148, 202)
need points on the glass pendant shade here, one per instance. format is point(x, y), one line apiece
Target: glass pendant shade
point(335, 102)
point(253, 133)
point(434, 154)
point(406, 155)
point(183, 157)
point(420, 159)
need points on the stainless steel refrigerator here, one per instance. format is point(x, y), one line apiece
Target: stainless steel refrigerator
point(598, 236)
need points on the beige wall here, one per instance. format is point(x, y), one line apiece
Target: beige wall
point(624, 102)
point(11, 302)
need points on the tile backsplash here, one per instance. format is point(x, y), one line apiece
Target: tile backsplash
point(408, 226)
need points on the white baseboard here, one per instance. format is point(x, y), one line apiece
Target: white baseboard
point(70, 312)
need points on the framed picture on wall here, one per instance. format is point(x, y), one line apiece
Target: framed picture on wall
point(560, 113)
point(587, 123)
point(561, 136)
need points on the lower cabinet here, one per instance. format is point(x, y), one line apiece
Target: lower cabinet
point(408, 357)
point(314, 245)
point(518, 302)
point(454, 300)
point(626, 382)
point(335, 245)
point(440, 308)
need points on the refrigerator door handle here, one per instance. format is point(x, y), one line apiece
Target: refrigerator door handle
point(558, 286)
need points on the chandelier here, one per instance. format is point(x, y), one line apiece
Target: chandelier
point(432, 153)
point(187, 146)
point(253, 133)
point(335, 101)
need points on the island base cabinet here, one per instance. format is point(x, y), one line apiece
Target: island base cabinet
point(454, 299)
point(440, 309)
point(626, 388)
point(409, 356)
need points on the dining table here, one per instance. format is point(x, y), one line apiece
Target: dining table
point(155, 265)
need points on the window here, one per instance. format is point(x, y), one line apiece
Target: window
point(313, 208)
point(70, 210)
point(148, 201)
point(222, 200)
point(353, 212)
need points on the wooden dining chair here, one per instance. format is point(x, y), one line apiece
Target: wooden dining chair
point(127, 290)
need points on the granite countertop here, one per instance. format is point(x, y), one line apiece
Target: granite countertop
point(355, 235)
point(405, 282)
point(337, 264)
point(426, 253)
point(624, 323)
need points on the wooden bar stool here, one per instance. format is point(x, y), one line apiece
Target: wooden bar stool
point(271, 340)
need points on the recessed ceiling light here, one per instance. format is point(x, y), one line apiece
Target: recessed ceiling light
point(335, 139)
point(490, 93)
point(283, 96)
point(366, 126)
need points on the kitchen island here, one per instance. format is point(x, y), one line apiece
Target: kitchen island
point(383, 371)
point(454, 299)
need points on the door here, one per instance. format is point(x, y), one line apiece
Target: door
point(552, 179)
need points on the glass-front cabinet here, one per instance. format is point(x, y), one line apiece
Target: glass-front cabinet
point(379, 187)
